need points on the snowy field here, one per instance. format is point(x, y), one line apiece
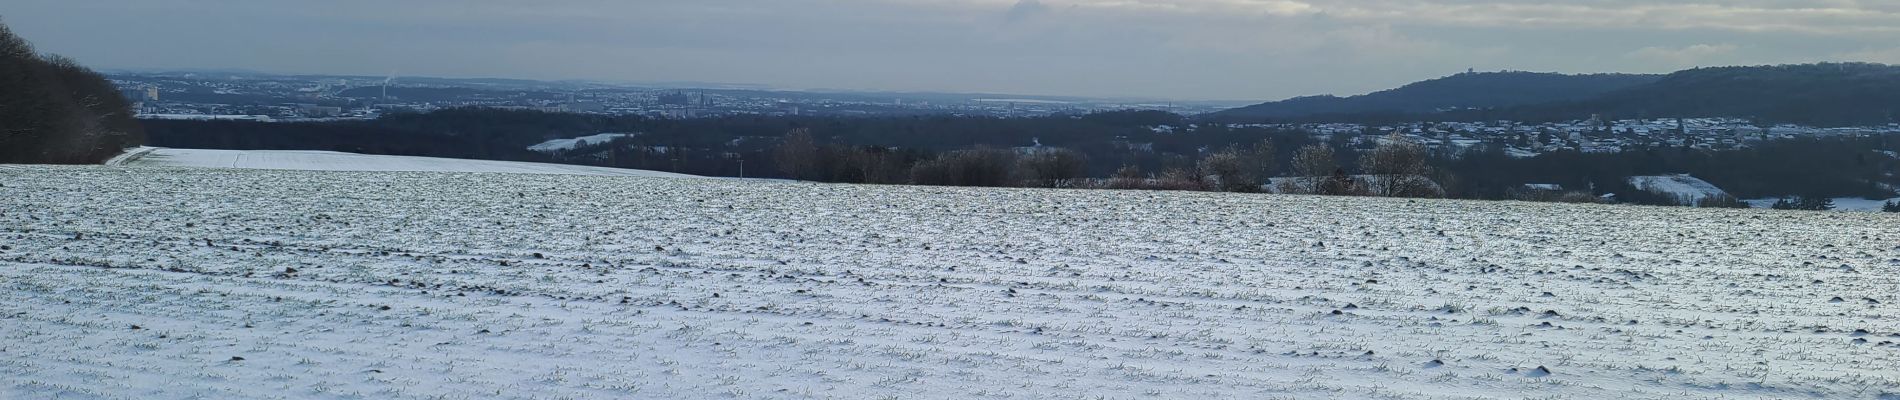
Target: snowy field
point(144, 283)
point(337, 161)
point(1686, 189)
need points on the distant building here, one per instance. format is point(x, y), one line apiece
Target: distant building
point(675, 99)
point(317, 111)
point(584, 106)
point(151, 93)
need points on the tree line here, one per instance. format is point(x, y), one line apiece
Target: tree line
point(1123, 149)
point(55, 111)
point(1397, 167)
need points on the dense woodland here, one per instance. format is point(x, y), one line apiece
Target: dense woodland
point(55, 111)
point(1116, 149)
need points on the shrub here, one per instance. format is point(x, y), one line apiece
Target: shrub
point(978, 167)
point(1811, 203)
point(1052, 168)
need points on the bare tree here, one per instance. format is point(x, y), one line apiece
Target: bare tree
point(797, 154)
point(1340, 184)
point(1056, 167)
point(1231, 170)
point(54, 110)
point(1398, 168)
point(1314, 160)
point(1262, 158)
point(1313, 167)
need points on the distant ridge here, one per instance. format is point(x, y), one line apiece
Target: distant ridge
point(1825, 94)
point(1832, 94)
point(1461, 91)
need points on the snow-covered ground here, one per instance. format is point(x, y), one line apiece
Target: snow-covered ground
point(570, 144)
point(220, 283)
point(337, 161)
point(1687, 189)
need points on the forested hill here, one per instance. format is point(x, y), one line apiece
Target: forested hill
point(54, 111)
point(1461, 91)
point(1809, 94)
point(1827, 94)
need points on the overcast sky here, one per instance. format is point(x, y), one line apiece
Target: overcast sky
point(1179, 49)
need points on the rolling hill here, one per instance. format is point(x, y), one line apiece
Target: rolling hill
point(1461, 91)
point(1825, 94)
point(1810, 94)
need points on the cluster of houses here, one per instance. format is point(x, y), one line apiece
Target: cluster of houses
point(1595, 135)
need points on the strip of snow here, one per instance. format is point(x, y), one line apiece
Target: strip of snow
point(569, 144)
point(130, 155)
point(338, 161)
point(206, 117)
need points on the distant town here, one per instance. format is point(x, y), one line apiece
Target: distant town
point(276, 98)
point(1525, 140)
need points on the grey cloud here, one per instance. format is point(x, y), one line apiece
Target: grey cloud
point(1025, 9)
point(1229, 49)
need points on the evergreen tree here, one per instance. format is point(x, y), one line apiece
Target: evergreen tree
point(1817, 203)
point(1810, 203)
point(1784, 204)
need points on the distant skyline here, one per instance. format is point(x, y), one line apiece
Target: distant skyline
point(1182, 49)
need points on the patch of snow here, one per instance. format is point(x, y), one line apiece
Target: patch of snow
point(569, 144)
point(130, 155)
point(1685, 188)
point(339, 161)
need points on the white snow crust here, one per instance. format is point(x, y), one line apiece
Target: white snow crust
point(159, 283)
point(338, 161)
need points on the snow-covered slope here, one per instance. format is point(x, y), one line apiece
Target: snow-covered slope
point(570, 144)
point(337, 161)
point(218, 283)
point(1685, 188)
